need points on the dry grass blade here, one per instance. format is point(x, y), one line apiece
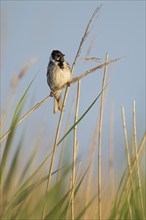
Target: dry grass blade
point(128, 159)
point(75, 151)
point(92, 149)
point(70, 196)
point(99, 140)
point(111, 156)
point(138, 155)
point(127, 148)
point(137, 165)
point(132, 170)
point(55, 144)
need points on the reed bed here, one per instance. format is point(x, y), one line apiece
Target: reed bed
point(71, 192)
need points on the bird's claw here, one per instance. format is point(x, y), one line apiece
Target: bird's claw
point(68, 84)
point(51, 94)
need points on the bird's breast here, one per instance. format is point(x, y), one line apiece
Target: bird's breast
point(58, 77)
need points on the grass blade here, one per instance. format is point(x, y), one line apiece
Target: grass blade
point(12, 170)
point(55, 212)
point(14, 121)
point(27, 166)
point(72, 127)
point(15, 118)
point(86, 207)
point(32, 175)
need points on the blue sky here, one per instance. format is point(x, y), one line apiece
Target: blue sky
point(32, 29)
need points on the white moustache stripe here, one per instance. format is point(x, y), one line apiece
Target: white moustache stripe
point(51, 59)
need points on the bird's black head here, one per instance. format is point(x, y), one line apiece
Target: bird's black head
point(57, 56)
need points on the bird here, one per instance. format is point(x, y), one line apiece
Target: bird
point(58, 73)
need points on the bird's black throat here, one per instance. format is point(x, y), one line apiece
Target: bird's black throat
point(60, 64)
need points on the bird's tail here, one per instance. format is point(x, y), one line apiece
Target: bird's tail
point(58, 102)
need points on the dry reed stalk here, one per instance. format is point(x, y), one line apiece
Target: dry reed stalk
point(91, 71)
point(99, 140)
point(74, 80)
point(70, 195)
point(111, 156)
point(132, 170)
point(127, 149)
point(136, 157)
point(54, 150)
point(64, 141)
point(75, 152)
point(128, 157)
point(92, 149)
point(55, 142)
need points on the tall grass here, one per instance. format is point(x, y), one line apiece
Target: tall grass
point(31, 192)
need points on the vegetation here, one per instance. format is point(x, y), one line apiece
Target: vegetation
point(69, 192)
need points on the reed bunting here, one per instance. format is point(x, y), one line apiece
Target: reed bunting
point(58, 73)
